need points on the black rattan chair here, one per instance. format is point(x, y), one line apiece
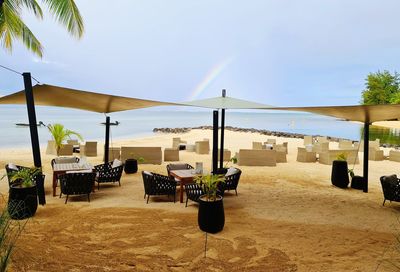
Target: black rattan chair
point(193, 192)
point(391, 188)
point(77, 184)
point(107, 173)
point(155, 184)
point(231, 182)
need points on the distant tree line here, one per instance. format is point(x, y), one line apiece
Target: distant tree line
point(381, 88)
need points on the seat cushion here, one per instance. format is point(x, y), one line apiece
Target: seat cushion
point(12, 166)
point(231, 171)
point(116, 163)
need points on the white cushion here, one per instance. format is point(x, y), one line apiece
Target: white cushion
point(231, 171)
point(116, 163)
point(12, 166)
point(147, 173)
point(79, 171)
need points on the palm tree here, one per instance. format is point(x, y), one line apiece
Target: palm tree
point(12, 27)
point(61, 134)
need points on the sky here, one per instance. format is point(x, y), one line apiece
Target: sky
point(281, 53)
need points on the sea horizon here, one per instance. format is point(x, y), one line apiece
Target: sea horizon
point(140, 123)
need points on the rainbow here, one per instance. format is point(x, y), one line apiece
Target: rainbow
point(212, 74)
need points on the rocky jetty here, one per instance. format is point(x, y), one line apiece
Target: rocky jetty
point(238, 129)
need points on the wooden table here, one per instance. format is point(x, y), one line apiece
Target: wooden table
point(62, 168)
point(184, 176)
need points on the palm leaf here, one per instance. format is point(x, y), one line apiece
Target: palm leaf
point(67, 13)
point(11, 27)
point(31, 5)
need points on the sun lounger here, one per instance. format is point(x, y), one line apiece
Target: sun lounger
point(375, 154)
point(203, 147)
point(227, 154)
point(89, 149)
point(171, 154)
point(394, 155)
point(306, 156)
point(66, 150)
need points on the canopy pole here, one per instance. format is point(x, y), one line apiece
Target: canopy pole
point(221, 152)
point(107, 140)
point(366, 155)
point(30, 105)
point(215, 143)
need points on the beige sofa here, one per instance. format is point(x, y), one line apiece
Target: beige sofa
point(329, 156)
point(254, 157)
point(151, 155)
point(202, 147)
point(171, 154)
point(394, 155)
point(306, 156)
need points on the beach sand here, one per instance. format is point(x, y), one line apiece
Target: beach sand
point(285, 218)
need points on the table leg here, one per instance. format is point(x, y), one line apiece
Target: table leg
point(54, 183)
point(181, 192)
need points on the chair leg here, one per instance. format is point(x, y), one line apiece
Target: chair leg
point(186, 201)
point(98, 185)
point(66, 200)
point(236, 192)
point(174, 197)
point(119, 182)
point(384, 202)
point(60, 194)
point(144, 196)
point(148, 196)
point(88, 197)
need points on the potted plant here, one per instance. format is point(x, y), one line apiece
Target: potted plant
point(340, 171)
point(22, 200)
point(60, 134)
point(131, 165)
point(211, 216)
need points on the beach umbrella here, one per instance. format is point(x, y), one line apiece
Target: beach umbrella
point(49, 95)
point(222, 103)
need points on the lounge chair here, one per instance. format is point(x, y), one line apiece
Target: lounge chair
point(391, 188)
point(345, 144)
point(89, 149)
point(109, 172)
point(77, 183)
point(227, 155)
point(306, 156)
point(253, 157)
point(150, 155)
point(51, 148)
point(156, 184)
point(394, 155)
point(193, 192)
point(257, 145)
point(203, 147)
point(232, 178)
point(308, 140)
point(329, 156)
point(114, 153)
point(375, 154)
point(73, 142)
point(66, 150)
point(171, 154)
point(176, 142)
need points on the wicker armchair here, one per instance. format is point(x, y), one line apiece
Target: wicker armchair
point(193, 192)
point(106, 173)
point(155, 184)
point(77, 184)
point(231, 182)
point(391, 188)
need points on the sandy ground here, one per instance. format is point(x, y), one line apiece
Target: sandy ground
point(285, 218)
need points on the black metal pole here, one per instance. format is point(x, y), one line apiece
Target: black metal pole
point(30, 105)
point(215, 143)
point(366, 155)
point(107, 141)
point(221, 152)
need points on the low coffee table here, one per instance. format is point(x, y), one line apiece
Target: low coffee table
point(62, 168)
point(184, 176)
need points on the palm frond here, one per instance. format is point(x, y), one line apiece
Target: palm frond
point(12, 27)
point(67, 13)
point(31, 5)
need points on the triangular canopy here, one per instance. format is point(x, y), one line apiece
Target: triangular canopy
point(48, 95)
point(361, 113)
point(225, 103)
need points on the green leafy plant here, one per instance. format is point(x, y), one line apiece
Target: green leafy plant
point(10, 230)
point(231, 160)
point(12, 26)
point(60, 134)
point(139, 159)
point(341, 157)
point(209, 184)
point(25, 176)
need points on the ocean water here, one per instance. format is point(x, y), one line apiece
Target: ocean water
point(138, 123)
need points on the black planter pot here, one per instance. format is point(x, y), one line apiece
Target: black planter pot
point(357, 182)
point(211, 217)
point(340, 176)
point(22, 201)
point(131, 166)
